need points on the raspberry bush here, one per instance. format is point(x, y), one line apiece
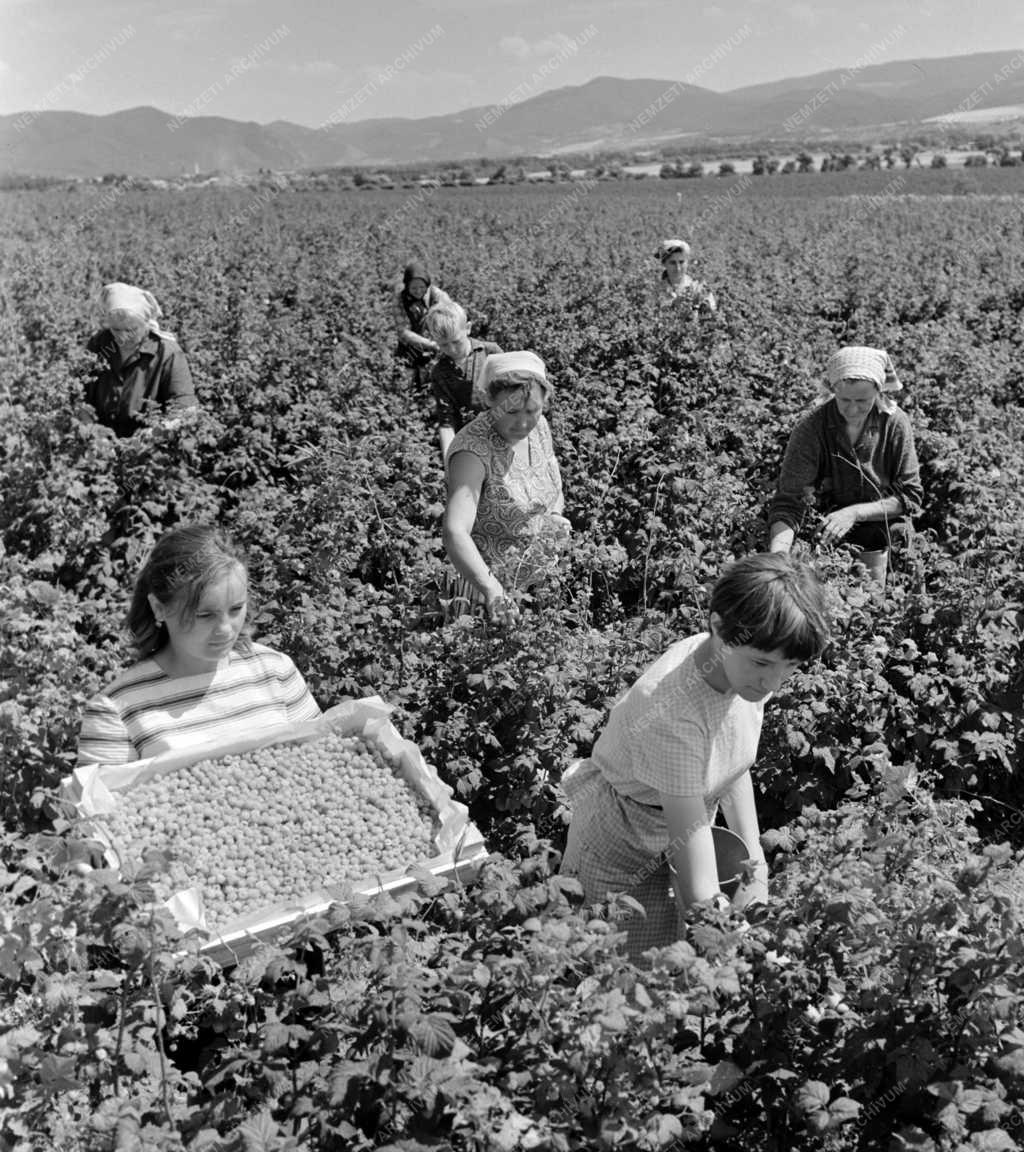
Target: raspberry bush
point(874, 1006)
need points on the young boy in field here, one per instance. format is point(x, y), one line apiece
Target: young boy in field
point(680, 744)
point(457, 376)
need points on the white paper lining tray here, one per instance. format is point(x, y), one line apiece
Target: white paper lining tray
point(459, 844)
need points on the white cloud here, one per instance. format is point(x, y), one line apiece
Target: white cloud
point(314, 68)
point(519, 48)
point(186, 25)
point(514, 46)
point(804, 14)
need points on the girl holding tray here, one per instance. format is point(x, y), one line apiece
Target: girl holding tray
point(680, 744)
point(200, 680)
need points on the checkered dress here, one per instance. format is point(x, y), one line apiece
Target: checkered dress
point(671, 734)
point(619, 845)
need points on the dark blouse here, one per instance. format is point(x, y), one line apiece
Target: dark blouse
point(454, 384)
point(820, 457)
point(157, 374)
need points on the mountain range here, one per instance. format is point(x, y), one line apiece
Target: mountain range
point(605, 114)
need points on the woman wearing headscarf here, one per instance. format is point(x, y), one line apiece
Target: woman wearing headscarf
point(414, 296)
point(856, 453)
point(676, 285)
point(503, 524)
point(141, 368)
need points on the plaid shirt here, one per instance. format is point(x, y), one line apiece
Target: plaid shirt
point(673, 734)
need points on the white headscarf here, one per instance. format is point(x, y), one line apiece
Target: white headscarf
point(134, 301)
point(859, 362)
point(670, 246)
point(510, 363)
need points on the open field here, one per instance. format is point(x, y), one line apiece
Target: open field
point(876, 999)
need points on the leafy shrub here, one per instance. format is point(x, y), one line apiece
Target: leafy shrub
point(503, 1016)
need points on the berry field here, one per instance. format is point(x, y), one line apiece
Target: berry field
point(875, 1004)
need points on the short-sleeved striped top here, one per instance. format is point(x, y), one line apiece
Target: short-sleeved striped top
point(145, 712)
point(673, 734)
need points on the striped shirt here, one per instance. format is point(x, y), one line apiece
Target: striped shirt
point(145, 712)
point(673, 734)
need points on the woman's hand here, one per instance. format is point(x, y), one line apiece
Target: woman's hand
point(500, 610)
point(754, 890)
point(838, 523)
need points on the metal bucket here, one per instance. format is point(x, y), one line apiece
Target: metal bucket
point(730, 852)
point(875, 565)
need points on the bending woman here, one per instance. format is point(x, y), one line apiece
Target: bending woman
point(142, 368)
point(503, 524)
point(414, 296)
point(856, 453)
point(680, 744)
point(200, 679)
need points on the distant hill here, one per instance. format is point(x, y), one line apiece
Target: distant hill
point(606, 113)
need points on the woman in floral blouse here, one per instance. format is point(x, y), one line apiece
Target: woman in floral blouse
point(503, 525)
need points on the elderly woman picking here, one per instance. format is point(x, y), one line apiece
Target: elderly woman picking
point(503, 524)
point(414, 296)
point(142, 368)
point(856, 452)
point(676, 284)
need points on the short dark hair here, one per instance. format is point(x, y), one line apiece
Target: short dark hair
point(182, 565)
point(770, 600)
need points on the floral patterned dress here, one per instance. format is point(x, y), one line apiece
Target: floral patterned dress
point(515, 528)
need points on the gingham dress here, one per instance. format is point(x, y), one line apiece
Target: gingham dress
point(670, 734)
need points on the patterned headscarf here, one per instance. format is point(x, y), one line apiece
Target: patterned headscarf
point(861, 363)
point(670, 246)
point(134, 301)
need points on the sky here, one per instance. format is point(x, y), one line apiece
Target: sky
point(327, 61)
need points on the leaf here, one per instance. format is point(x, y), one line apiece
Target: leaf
point(276, 1037)
point(664, 1129)
point(725, 1078)
point(142, 1061)
point(912, 1139)
point(587, 987)
point(843, 1109)
point(433, 1035)
point(994, 1140)
point(812, 1097)
point(43, 593)
point(56, 1074)
point(260, 1134)
point(971, 1099)
point(1012, 1064)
